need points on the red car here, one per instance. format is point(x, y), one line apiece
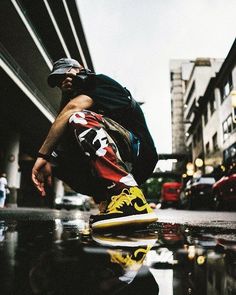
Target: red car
point(170, 193)
point(224, 190)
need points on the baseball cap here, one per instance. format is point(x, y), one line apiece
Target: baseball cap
point(60, 67)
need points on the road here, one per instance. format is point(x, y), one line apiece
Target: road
point(202, 218)
point(223, 220)
point(218, 222)
point(46, 251)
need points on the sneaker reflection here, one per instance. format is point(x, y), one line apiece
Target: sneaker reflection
point(107, 264)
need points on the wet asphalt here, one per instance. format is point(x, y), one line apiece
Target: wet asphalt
point(46, 251)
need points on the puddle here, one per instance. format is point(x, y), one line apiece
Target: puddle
point(62, 257)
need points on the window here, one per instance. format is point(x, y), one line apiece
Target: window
point(226, 88)
point(229, 123)
point(215, 142)
point(234, 125)
point(228, 127)
point(190, 93)
point(225, 130)
point(208, 148)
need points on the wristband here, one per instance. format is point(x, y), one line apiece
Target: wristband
point(45, 157)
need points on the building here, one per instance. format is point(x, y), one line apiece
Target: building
point(179, 75)
point(219, 132)
point(203, 71)
point(33, 35)
point(207, 115)
point(189, 79)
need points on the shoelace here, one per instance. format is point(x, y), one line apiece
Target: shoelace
point(119, 200)
point(126, 261)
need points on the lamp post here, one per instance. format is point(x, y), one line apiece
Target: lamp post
point(199, 163)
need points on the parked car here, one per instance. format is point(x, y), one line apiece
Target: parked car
point(197, 193)
point(73, 200)
point(170, 194)
point(184, 193)
point(224, 190)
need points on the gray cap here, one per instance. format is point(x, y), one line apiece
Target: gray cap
point(60, 67)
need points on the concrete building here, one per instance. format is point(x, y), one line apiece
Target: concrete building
point(179, 75)
point(189, 79)
point(203, 70)
point(33, 35)
point(209, 131)
point(219, 132)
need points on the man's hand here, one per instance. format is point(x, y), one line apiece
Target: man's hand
point(41, 175)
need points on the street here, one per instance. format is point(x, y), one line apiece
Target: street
point(46, 251)
point(105, 108)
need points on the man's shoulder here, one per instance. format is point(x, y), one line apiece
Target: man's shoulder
point(104, 79)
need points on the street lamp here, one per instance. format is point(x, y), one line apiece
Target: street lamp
point(199, 162)
point(190, 169)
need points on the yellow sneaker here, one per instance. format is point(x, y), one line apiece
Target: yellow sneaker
point(129, 208)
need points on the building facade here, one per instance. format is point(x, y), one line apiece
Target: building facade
point(203, 71)
point(179, 75)
point(219, 132)
point(209, 132)
point(33, 35)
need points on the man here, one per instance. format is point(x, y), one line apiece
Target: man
point(100, 145)
point(3, 189)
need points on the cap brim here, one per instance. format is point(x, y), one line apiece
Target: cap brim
point(54, 77)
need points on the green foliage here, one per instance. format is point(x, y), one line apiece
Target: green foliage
point(152, 188)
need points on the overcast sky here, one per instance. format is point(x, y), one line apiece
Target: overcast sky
point(134, 40)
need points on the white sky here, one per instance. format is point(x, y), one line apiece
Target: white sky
point(133, 41)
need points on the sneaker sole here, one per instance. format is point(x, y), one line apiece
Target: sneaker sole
point(123, 243)
point(134, 220)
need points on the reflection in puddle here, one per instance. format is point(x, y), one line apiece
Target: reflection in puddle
point(62, 257)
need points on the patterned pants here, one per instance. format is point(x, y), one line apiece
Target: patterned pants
point(103, 160)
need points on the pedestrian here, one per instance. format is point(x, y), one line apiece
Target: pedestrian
point(99, 145)
point(3, 189)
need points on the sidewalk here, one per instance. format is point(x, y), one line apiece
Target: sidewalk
point(41, 214)
point(205, 219)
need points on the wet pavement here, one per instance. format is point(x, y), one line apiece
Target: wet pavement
point(58, 255)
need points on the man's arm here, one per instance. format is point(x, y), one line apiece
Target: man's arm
point(41, 172)
point(57, 129)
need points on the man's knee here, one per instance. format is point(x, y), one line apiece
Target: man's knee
point(86, 119)
point(78, 118)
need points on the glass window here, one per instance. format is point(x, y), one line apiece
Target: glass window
point(225, 130)
point(234, 125)
point(229, 123)
point(190, 93)
point(226, 89)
